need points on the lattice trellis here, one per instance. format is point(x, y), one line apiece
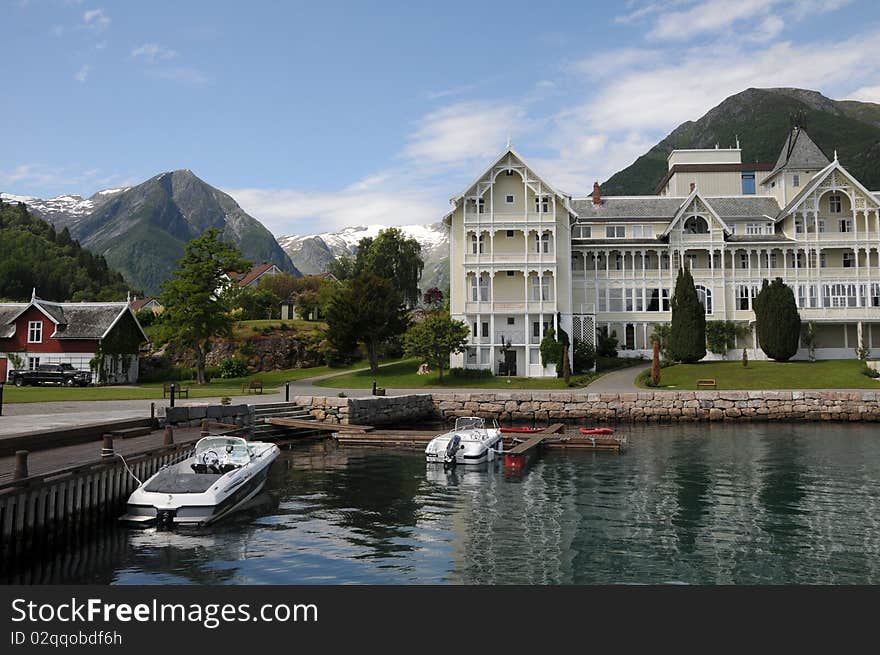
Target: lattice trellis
point(583, 328)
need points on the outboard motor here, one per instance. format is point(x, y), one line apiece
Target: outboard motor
point(451, 450)
point(165, 519)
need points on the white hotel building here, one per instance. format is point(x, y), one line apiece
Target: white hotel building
point(525, 255)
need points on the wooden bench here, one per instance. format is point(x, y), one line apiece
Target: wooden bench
point(254, 385)
point(707, 382)
point(180, 390)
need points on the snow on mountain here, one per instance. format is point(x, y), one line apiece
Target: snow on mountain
point(63, 211)
point(313, 253)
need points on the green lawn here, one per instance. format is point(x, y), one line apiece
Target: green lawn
point(828, 374)
point(153, 390)
point(245, 329)
point(402, 375)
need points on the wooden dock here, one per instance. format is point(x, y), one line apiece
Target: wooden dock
point(318, 426)
point(518, 457)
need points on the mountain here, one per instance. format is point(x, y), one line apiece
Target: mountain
point(313, 253)
point(35, 256)
point(142, 230)
point(760, 118)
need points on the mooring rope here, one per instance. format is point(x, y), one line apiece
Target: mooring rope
point(130, 472)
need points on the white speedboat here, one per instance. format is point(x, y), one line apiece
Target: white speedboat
point(470, 442)
point(222, 474)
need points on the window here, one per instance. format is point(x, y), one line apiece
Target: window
point(642, 231)
point(511, 320)
point(33, 363)
point(696, 225)
point(799, 225)
point(541, 287)
point(742, 296)
point(753, 228)
point(542, 243)
point(821, 225)
point(771, 260)
point(536, 328)
point(615, 231)
point(510, 273)
point(744, 260)
point(748, 183)
point(822, 261)
point(484, 355)
point(534, 356)
point(705, 296)
point(484, 288)
point(581, 232)
point(845, 225)
point(835, 204)
point(479, 288)
point(477, 244)
point(485, 331)
point(796, 180)
point(509, 234)
point(849, 260)
point(542, 204)
point(509, 199)
point(615, 299)
point(691, 261)
point(35, 331)
point(732, 227)
point(475, 329)
point(481, 205)
point(838, 295)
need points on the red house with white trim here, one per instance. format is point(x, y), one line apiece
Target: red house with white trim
point(45, 332)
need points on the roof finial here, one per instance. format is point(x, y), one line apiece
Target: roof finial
point(33, 294)
point(835, 154)
point(737, 142)
point(508, 141)
point(128, 297)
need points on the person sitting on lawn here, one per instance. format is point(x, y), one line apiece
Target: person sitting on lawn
point(423, 369)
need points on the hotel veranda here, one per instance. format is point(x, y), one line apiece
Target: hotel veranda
point(525, 256)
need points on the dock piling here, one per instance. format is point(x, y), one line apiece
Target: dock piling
point(204, 431)
point(168, 440)
point(107, 447)
point(21, 465)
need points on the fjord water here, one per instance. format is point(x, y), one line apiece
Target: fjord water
point(693, 504)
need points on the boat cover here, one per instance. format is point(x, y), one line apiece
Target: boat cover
point(176, 479)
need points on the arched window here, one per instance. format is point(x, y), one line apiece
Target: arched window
point(477, 242)
point(705, 296)
point(542, 243)
point(696, 225)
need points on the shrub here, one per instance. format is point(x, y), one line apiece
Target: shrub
point(550, 348)
point(470, 373)
point(644, 379)
point(688, 336)
point(721, 336)
point(606, 344)
point(232, 368)
point(777, 322)
point(870, 372)
point(584, 357)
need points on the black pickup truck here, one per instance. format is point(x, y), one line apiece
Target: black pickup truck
point(51, 374)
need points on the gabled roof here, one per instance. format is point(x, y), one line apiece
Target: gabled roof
point(685, 209)
point(509, 151)
point(244, 279)
point(139, 303)
point(739, 207)
point(816, 180)
point(81, 320)
point(623, 207)
point(799, 153)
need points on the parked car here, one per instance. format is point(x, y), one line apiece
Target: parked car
point(51, 374)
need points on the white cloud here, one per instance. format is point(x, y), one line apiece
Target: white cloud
point(43, 181)
point(464, 132)
point(186, 76)
point(83, 73)
point(96, 19)
point(710, 16)
point(153, 52)
point(866, 94)
point(293, 211)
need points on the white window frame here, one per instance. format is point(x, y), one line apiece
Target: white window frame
point(844, 225)
point(33, 363)
point(35, 332)
point(848, 260)
point(835, 203)
point(615, 231)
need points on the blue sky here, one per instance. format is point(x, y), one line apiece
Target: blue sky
point(318, 115)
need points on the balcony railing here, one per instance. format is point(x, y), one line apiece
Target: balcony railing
point(508, 216)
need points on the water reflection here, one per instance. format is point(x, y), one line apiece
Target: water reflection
point(686, 504)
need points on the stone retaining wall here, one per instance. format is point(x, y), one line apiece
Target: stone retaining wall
point(372, 410)
point(665, 406)
point(192, 415)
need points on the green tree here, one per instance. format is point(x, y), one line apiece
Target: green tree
point(435, 339)
point(197, 299)
point(550, 348)
point(688, 336)
point(777, 322)
point(365, 309)
point(721, 336)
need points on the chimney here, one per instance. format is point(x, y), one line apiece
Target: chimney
point(693, 186)
point(597, 195)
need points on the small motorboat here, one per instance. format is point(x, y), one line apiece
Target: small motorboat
point(520, 430)
point(597, 431)
point(470, 442)
point(221, 475)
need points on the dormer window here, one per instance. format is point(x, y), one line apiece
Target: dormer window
point(35, 332)
point(696, 225)
point(615, 231)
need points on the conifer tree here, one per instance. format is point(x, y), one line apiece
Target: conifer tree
point(777, 322)
point(688, 337)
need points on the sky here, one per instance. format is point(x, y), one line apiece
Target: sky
point(319, 115)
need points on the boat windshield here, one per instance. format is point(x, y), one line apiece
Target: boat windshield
point(232, 450)
point(469, 423)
